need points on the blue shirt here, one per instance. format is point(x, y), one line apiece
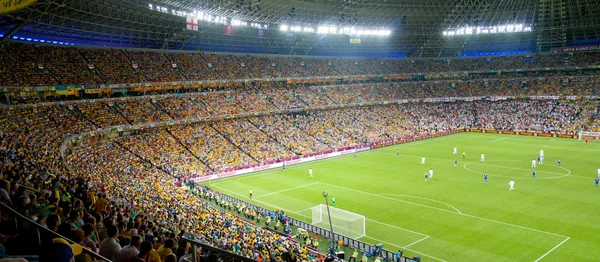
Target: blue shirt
point(533, 172)
point(596, 180)
point(485, 176)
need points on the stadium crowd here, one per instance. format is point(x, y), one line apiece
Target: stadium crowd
point(33, 65)
point(116, 193)
point(116, 187)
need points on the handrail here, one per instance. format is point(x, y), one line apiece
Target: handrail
point(14, 213)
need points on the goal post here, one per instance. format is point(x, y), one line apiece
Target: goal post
point(344, 222)
point(589, 135)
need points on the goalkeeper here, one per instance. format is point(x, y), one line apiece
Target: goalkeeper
point(333, 203)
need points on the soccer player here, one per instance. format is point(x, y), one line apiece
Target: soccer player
point(426, 176)
point(454, 153)
point(333, 203)
point(533, 174)
point(539, 159)
point(464, 155)
point(310, 172)
point(485, 177)
point(558, 161)
point(533, 163)
point(431, 173)
point(598, 172)
point(283, 165)
point(455, 161)
point(482, 157)
point(512, 185)
point(355, 153)
point(397, 153)
point(586, 141)
point(422, 160)
point(596, 181)
point(542, 152)
point(250, 193)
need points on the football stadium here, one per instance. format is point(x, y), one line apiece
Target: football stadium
point(299, 131)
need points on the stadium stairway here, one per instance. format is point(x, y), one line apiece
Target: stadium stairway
point(234, 144)
point(273, 138)
point(204, 162)
point(116, 110)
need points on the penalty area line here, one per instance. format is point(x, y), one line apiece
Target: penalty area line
point(554, 248)
point(405, 248)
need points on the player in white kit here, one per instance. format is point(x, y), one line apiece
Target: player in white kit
point(431, 173)
point(310, 172)
point(422, 160)
point(482, 157)
point(512, 185)
point(533, 163)
point(454, 153)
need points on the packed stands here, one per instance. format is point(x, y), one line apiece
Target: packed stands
point(126, 181)
point(31, 65)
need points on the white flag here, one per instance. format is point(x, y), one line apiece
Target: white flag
point(191, 23)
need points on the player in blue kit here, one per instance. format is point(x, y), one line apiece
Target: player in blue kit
point(596, 181)
point(426, 176)
point(485, 178)
point(455, 161)
point(558, 161)
point(533, 174)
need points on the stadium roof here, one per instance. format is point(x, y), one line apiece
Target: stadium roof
point(419, 28)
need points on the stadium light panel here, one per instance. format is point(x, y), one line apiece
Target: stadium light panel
point(500, 29)
point(283, 28)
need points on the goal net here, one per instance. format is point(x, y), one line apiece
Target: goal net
point(589, 135)
point(344, 222)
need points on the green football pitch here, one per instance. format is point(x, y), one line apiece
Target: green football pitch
point(454, 216)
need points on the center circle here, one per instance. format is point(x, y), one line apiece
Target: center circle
point(516, 169)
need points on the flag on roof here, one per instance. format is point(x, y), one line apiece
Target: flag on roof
point(191, 23)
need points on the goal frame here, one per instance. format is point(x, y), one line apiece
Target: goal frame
point(592, 135)
point(319, 215)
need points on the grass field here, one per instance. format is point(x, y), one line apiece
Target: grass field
point(454, 216)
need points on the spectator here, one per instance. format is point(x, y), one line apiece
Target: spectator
point(110, 248)
point(132, 250)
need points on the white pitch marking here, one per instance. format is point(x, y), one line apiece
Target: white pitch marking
point(432, 200)
point(462, 214)
point(405, 248)
point(416, 242)
point(397, 227)
point(285, 190)
point(550, 251)
point(514, 168)
point(394, 199)
point(501, 139)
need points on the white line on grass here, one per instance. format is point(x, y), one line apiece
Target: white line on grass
point(273, 171)
point(394, 199)
point(397, 227)
point(550, 251)
point(501, 139)
point(405, 248)
point(452, 212)
point(404, 229)
point(432, 200)
point(416, 242)
point(289, 189)
point(514, 168)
